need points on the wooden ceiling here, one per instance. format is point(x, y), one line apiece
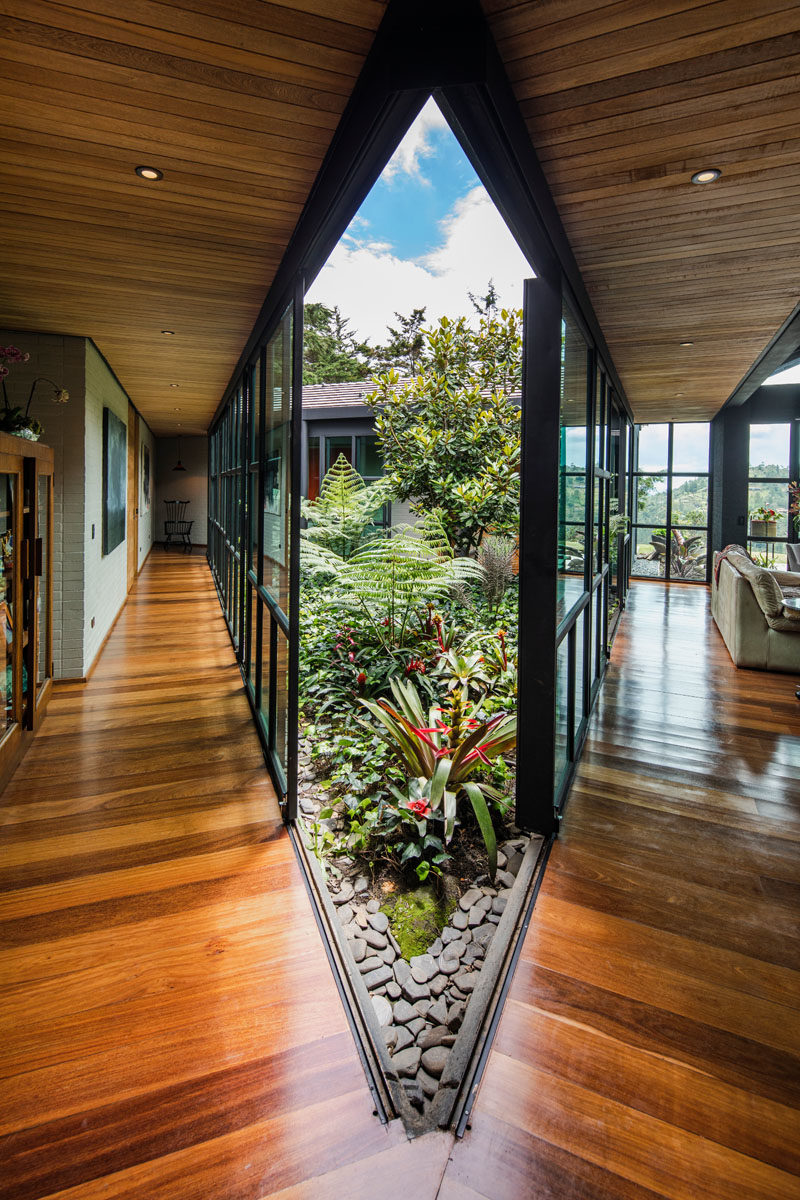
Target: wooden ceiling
point(236, 111)
point(623, 100)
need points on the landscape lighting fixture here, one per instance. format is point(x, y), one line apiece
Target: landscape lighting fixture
point(151, 173)
point(707, 175)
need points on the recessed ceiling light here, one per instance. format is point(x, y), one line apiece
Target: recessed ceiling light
point(679, 393)
point(707, 175)
point(151, 173)
point(174, 385)
point(685, 344)
point(168, 332)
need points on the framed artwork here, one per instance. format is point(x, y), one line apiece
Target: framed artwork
point(145, 478)
point(115, 480)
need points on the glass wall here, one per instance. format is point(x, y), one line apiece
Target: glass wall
point(251, 510)
point(670, 498)
point(768, 477)
point(591, 492)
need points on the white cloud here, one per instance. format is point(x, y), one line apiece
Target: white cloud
point(416, 145)
point(369, 283)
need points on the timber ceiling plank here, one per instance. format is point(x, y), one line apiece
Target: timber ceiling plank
point(236, 105)
point(624, 101)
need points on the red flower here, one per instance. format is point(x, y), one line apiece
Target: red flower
point(362, 678)
point(351, 656)
point(419, 808)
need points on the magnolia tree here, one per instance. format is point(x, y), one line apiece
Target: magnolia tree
point(450, 436)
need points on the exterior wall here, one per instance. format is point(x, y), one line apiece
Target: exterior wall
point(105, 582)
point(191, 484)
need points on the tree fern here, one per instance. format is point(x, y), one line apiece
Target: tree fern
point(342, 516)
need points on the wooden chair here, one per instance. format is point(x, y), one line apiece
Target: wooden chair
point(176, 526)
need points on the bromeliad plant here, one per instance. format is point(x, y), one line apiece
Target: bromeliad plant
point(444, 749)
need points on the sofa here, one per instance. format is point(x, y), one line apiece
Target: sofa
point(747, 603)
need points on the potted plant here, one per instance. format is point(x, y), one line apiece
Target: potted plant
point(764, 522)
point(18, 420)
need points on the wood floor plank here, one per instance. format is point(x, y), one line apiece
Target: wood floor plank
point(651, 1043)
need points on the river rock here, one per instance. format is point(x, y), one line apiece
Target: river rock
point(406, 1062)
point(404, 1012)
point(468, 899)
point(379, 921)
point(376, 940)
point(358, 949)
point(383, 1009)
point(434, 1060)
point(423, 967)
point(381, 974)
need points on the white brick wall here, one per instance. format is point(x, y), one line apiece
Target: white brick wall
point(105, 583)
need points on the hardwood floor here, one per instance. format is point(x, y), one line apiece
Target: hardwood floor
point(170, 1027)
point(651, 1043)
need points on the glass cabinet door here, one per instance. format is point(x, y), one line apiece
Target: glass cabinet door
point(10, 626)
point(43, 578)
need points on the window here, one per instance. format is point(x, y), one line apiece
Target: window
point(671, 502)
point(768, 478)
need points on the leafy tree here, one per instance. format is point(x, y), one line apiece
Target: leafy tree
point(331, 352)
point(406, 346)
point(450, 437)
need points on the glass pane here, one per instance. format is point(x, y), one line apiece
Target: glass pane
point(690, 501)
point(254, 611)
point(688, 549)
point(598, 658)
point(649, 551)
point(599, 421)
point(580, 629)
point(44, 652)
point(769, 450)
point(334, 446)
point(267, 625)
point(275, 466)
point(768, 554)
point(772, 497)
point(369, 463)
point(573, 452)
point(690, 447)
point(562, 709)
point(7, 602)
point(282, 702)
point(651, 500)
point(653, 447)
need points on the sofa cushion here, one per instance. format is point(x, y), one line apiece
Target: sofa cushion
point(766, 588)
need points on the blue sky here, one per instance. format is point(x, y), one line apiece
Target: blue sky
point(425, 236)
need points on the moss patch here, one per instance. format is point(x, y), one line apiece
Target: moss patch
point(417, 918)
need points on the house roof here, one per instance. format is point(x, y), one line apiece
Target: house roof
point(324, 398)
point(622, 104)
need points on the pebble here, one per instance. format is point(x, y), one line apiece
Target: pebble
point(440, 1035)
point(468, 899)
point(448, 935)
point(429, 1085)
point(345, 914)
point(373, 906)
point(390, 1036)
point(459, 920)
point(436, 948)
point(434, 1060)
point(505, 879)
point(404, 1038)
point(422, 1007)
point(414, 991)
point(423, 967)
point(380, 975)
point(388, 955)
point(474, 954)
point(402, 971)
point(476, 916)
point(499, 904)
point(416, 1027)
point(361, 884)
point(358, 949)
point(406, 1062)
point(465, 981)
point(370, 964)
point(344, 894)
point(514, 863)
point(379, 921)
point(404, 1012)
point(383, 1010)
point(438, 984)
point(455, 1015)
point(376, 940)
point(448, 966)
point(483, 934)
point(393, 990)
point(437, 1012)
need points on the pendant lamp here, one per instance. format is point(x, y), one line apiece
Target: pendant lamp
point(179, 465)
